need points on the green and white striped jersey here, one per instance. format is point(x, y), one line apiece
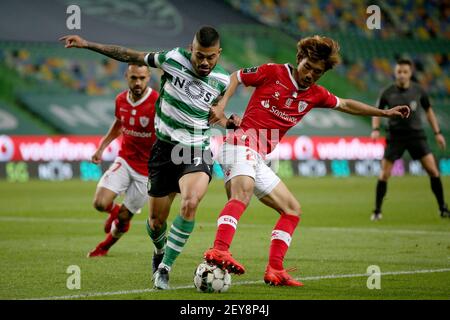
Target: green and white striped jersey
point(185, 99)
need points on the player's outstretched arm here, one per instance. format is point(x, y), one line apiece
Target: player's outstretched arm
point(116, 52)
point(358, 108)
point(114, 131)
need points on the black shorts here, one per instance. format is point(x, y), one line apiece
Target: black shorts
point(417, 148)
point(169, 162)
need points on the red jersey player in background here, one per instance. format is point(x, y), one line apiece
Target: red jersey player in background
point(135, 112)
point(283, 96)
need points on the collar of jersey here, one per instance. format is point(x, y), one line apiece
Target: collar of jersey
point(135, 104)
point(288, 67)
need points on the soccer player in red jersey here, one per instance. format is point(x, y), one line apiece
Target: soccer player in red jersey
point(135, 112)
point(283, 96)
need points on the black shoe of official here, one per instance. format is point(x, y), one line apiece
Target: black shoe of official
point(445, 213)
point(156, 260)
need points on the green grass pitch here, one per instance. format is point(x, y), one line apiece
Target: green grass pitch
point(45, 227)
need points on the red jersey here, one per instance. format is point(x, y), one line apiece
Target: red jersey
point(138, 130)
point(276, 105)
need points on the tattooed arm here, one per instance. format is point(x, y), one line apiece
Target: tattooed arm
point(116, 52)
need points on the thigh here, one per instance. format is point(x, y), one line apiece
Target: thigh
point(240, 187)
point(194, 185)
point(282, 200)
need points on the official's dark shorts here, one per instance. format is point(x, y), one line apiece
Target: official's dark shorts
point(395, 147)
point(169, 162)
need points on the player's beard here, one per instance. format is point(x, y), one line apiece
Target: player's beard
point(138, 93)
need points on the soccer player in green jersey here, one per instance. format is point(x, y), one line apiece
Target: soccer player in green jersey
point(181, 160)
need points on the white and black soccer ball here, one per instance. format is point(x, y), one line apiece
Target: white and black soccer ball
point(210, 278)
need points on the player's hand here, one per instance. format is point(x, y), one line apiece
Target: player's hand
point(375, 134)
point(441, 141)
point(73, 41)
point(216, 113)
point(233, 121)
point(399, 111)
point(97, 157)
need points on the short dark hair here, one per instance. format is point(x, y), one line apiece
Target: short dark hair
point(139, 64)
point(405, 61)
point(207, 36)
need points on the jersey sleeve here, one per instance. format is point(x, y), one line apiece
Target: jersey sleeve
point(116, 108)
point(156, 59)
point(327, 99)
point(382, 101)
point(254, 76)
point(424, 100)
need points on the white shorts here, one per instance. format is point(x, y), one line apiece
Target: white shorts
point(243, 161)
point(121, 178)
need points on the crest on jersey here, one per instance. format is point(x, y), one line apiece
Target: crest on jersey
point(302, 105)
point(144, 121)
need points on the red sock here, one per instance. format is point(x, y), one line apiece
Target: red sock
point(281, 238)
point(227, 223)
point(113, 209)
point(118, 228)
point(108, 242)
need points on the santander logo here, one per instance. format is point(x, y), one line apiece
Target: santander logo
point(280, 114)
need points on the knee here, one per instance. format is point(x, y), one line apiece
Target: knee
point(100, 205)
point(124, 216)
point(189, 205)
point(293, 207)
point(155, 223)
point(384, 175)
point(433, 173)
point(244, 195)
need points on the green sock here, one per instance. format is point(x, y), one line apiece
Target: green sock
point(158, 237)
point(178, 236)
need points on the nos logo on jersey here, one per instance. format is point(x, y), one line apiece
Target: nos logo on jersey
point(144, 121)
point(302, 105)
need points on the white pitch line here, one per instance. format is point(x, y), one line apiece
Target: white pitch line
point(242, 225)
point(239, 283)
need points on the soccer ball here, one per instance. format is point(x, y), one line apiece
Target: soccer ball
point(210, 278)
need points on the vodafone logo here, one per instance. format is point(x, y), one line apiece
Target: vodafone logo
point(6, 148)
point(304, 148)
